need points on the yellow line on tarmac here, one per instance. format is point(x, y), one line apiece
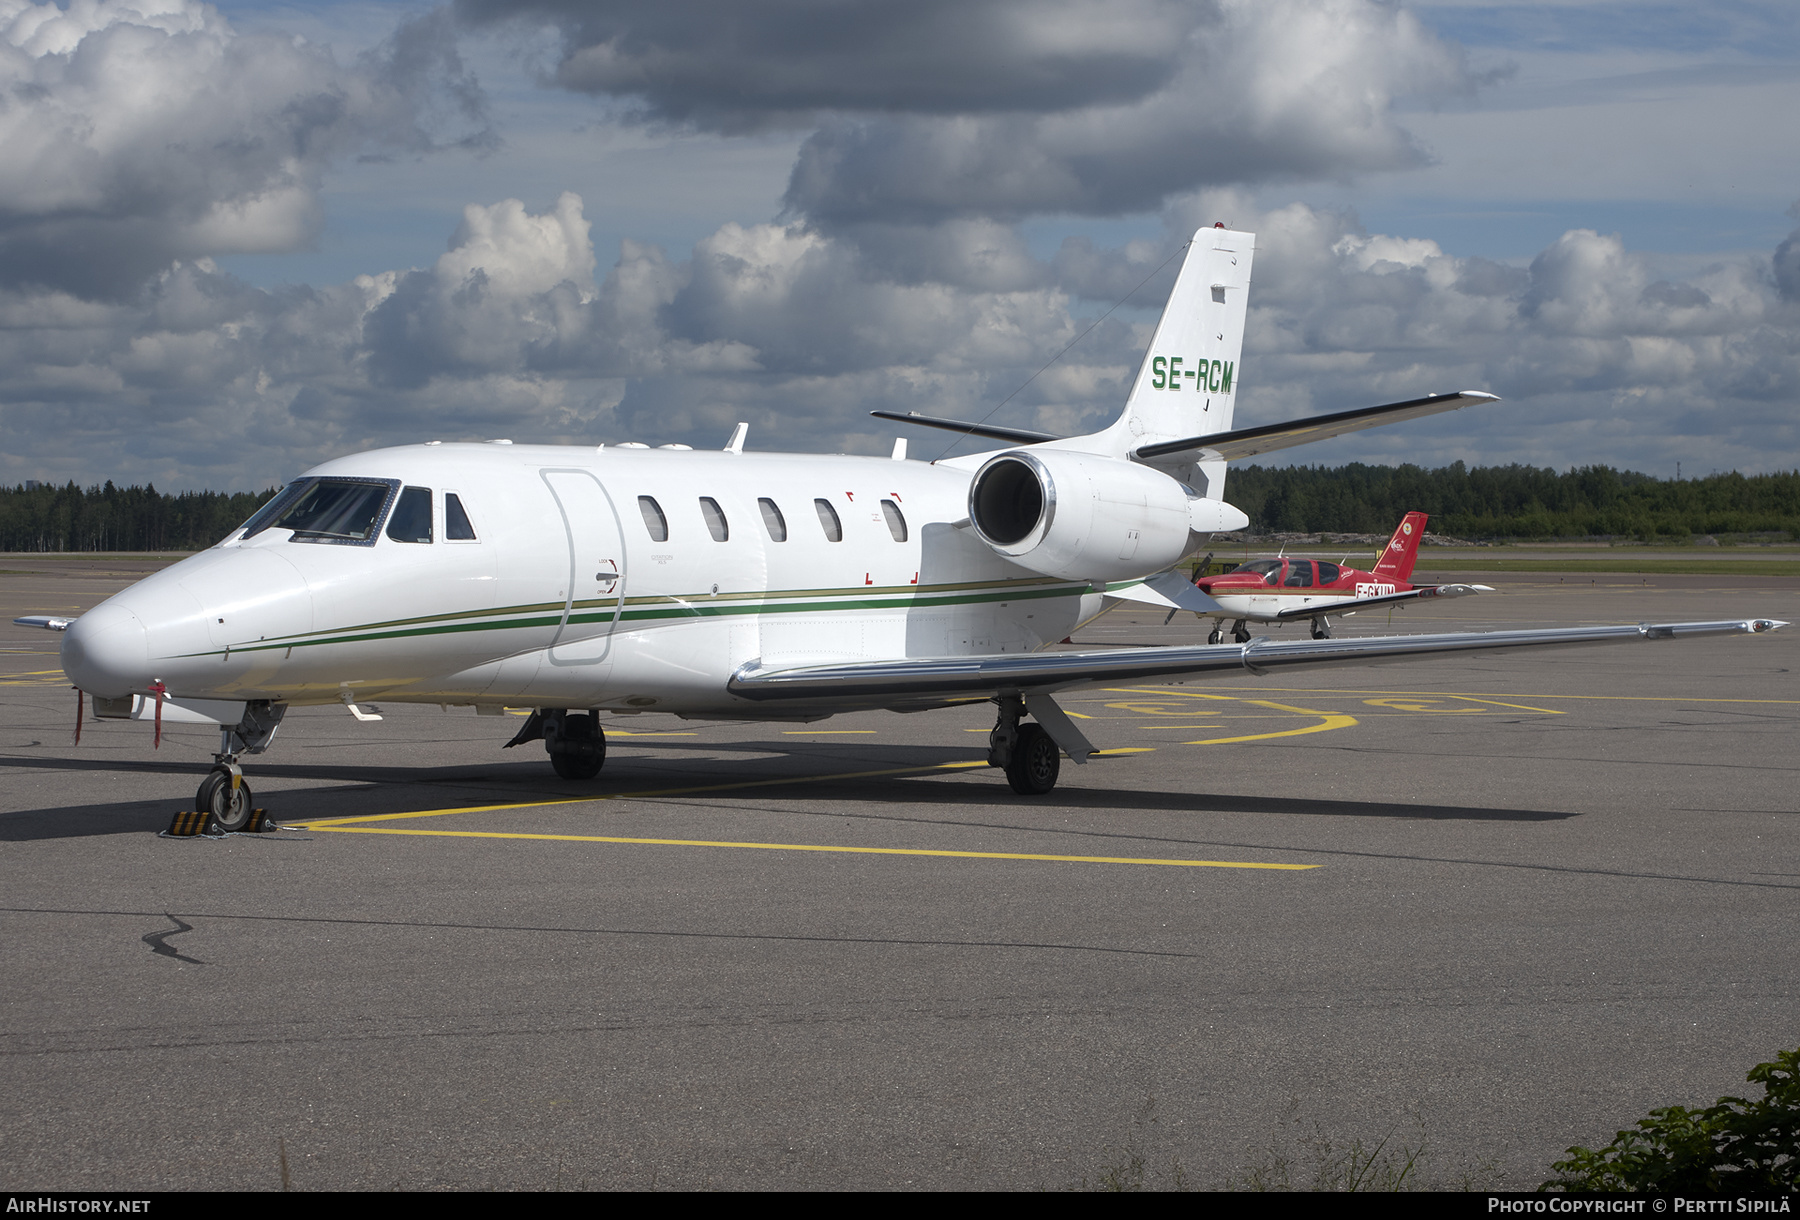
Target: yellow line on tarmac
point(815, 847)
point(335, 823)
point(1443, 694)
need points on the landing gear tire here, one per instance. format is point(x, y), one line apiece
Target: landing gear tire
point(1321, 629)
point(229, 807)
point(1240, 634)
point(583, 748)
point(1036, 762)
point(1217, 636)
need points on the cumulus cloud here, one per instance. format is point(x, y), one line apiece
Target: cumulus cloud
point(738, 65)
point(513, 331)
point(136, 132)
point(1007, 108)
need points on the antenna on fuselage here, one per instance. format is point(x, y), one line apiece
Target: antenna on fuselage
point(736, 443)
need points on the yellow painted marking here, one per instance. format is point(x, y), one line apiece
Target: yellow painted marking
point(814, 847)
point(1433, 694)
point(1401, 703)
point(824, 732)
point(623, 733)
point(1327, 723)
point(332, 823)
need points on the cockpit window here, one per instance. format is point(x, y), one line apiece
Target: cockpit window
point(1268, 569)
point(411, 518)
point(457, 527)
point(1300, 574)
point(260, 519)
point(1329, 573)
point(343, 511)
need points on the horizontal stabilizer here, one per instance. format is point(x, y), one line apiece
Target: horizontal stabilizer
point(1014, 436)
point(1386, 599)
point(1249, 442)
point(1167, 591)
point(49, 622)
point(919, 682)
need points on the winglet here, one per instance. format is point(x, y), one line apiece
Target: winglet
point(736, 443)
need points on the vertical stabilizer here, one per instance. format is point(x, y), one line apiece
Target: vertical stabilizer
point(1402, 551)
point(1191, 375)
point(1188, 382)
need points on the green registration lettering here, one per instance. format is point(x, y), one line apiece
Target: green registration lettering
point(1174, 372)
point(1159, 373)
point(1225, 379)
point(1212, 373)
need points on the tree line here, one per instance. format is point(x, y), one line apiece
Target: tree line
point(1486, 502)
point(110, 518)
point(1514, 501)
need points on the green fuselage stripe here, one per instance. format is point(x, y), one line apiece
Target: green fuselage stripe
point(672, 608)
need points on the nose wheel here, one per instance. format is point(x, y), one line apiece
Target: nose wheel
point(226, 797)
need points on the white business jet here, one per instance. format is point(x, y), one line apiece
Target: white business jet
point(581, 581)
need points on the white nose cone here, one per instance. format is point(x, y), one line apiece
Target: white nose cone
point(106, 652)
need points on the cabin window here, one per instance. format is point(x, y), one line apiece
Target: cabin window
point(896, 521)
point(773, 521)
point(828, 521)
point(1300, 574)
point(654, 521)
point(1329, 573)
point(457, 527)
point(715, 519)
point(343, 511)
point(411, 518)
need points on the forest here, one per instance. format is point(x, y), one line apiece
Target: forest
point(1487, 502)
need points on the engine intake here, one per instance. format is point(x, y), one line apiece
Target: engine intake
point(1080, 516)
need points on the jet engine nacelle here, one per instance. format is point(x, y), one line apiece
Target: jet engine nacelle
point(1079, 516)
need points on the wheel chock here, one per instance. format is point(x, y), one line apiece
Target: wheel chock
point(187, 824)
point(260, 823)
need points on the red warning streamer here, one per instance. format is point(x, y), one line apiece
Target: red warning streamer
point(158, 688)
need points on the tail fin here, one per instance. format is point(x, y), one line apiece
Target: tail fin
point(1188, 382)
point(1402, 551)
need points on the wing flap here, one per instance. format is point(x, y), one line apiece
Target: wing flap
point(935, 681)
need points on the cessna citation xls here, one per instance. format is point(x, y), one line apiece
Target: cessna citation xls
point(620, 579)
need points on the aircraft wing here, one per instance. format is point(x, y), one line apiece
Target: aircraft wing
point(921, 682)
point(1249, 442)
point(1386, 599)
point(49, 622)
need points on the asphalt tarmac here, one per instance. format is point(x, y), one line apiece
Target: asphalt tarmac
point(1490, 907)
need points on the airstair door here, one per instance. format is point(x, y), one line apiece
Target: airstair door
point(596, 589)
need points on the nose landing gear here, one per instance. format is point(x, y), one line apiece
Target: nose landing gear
point(223, 794)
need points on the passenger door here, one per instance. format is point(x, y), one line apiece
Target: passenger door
point(595, 595)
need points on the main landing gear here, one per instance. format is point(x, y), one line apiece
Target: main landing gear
point(223, 794)
point(574, 740)
point(1322, 628)
point(1031, 759)
point(1240, 634)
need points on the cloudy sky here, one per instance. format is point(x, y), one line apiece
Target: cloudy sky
point(239, 239)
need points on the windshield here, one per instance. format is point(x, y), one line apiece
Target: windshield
point(347, 511)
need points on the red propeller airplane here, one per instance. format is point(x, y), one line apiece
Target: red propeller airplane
point(1282, 590)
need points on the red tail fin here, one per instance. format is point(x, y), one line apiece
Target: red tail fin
point(1402, 551)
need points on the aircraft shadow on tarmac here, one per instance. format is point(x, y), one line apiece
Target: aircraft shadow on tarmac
point(369, 790)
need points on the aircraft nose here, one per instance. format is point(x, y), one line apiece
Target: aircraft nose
point(106, 652)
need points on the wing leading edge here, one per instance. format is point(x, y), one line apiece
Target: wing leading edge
point(922, 682)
